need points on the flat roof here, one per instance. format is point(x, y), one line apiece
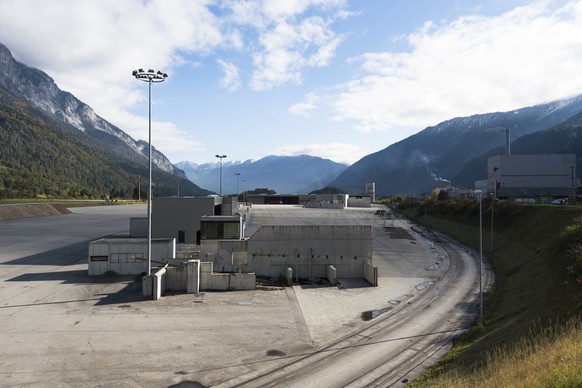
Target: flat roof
point(220, 219)
point(129, 240)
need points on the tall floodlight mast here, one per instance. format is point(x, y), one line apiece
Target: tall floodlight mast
point(150, 77)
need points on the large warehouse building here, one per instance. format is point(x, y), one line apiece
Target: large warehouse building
point(532, 175)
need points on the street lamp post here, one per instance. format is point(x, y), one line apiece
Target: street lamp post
point(480, 256)
point(244, 192)
point(220, 157)
point(150, 77)
point(491, 240)
point(237, 175)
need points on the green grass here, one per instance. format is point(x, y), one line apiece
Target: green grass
point(549, 356)
point(535, 278)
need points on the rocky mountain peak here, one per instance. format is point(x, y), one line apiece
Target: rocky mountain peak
point(41, 90)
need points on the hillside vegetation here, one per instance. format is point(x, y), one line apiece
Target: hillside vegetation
point(42, 157)
point(532, 334)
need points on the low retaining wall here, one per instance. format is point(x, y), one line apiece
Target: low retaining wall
point(230, 281)
point(192, 278)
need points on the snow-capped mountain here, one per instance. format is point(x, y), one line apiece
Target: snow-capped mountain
point(284, 174)
point(414, 165)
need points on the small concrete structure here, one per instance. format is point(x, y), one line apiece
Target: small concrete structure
point(127, 256)
point(360, 201)
point(230, 281)
point(196, 276)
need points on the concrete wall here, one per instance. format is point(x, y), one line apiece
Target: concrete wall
point(232, 281)
point(127, 256)
point(307, 249)
point(194, 277)
point(176, 279)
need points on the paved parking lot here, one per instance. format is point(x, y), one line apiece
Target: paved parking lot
point(60, 327)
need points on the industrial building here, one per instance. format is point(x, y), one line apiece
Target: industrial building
point(179, 217)
point(127, 256)
point(531, 176)
point(284, 252)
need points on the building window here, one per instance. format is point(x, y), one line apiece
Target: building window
point(220, 230)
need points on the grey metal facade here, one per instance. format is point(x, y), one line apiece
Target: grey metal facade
point(532, 175)
point(179, 217)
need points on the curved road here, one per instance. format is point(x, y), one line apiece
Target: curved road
point(385, 353)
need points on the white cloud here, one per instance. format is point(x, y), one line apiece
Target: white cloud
point(305, 108)
point(289, 38)
point(91, 47)
point(231, 78)
point(338, 152)
point(164, 135)
point(475, 64)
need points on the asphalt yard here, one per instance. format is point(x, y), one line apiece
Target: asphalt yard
point(60, 327)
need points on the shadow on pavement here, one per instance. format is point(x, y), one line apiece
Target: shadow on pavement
point(67, 255)
point(131, 292)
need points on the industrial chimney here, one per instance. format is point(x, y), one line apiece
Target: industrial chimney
point(507, 142)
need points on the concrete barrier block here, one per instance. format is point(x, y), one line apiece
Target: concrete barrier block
point(332, 275)
point(147, 287)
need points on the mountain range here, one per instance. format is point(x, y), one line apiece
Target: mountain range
point(54, 145)
point(456, 150)
point(284, 174)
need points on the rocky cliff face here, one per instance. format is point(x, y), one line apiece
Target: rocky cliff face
point(40, 89)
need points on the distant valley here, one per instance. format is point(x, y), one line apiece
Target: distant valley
point(284, 174)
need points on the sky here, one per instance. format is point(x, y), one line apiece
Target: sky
point(338, 79)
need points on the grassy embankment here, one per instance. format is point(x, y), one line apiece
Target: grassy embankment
point(23, 208)
point(532, 332)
